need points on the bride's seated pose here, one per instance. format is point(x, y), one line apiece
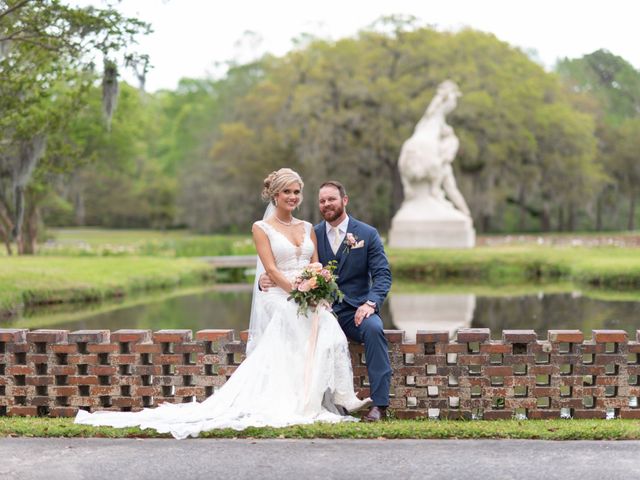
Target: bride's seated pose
point(298, 366)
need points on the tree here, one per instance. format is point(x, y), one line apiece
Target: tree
point(538, 151)
point(625, 161)
point(117, 180)
point(608, 87)
point(610, 79)
point(342, 109)
point(565, 162)
point(208, 186)
point(47, 63)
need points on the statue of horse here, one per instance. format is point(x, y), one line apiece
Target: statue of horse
point(426, 157)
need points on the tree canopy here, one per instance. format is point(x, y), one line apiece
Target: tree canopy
point(539, 150)
point(342, 109)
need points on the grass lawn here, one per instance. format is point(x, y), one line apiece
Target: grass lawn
point(172, 243)
point(609, 267)
point(393, 429)
point(35, 279)
point(615, 267)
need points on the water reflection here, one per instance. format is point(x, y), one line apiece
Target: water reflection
point(419, 311)
point(229, 307)
point(225, 306)
point(542, 312)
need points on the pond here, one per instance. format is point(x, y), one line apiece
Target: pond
point(409, 308)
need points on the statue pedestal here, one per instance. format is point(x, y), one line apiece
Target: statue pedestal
point(431, 223)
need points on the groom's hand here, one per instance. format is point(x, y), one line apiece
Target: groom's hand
point(265, 282)
point(363, 311)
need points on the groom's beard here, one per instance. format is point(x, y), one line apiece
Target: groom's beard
point(332, 214)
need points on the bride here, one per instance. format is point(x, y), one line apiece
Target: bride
point(298, 367)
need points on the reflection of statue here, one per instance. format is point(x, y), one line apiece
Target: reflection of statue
point(431, 311)
point(427, 218)
point(425, 159)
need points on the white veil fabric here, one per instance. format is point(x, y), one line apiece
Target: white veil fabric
point(258, 320)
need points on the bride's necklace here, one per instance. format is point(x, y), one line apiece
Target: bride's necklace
point(286, 224)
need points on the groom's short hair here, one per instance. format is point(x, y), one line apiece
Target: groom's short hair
point(335, 184)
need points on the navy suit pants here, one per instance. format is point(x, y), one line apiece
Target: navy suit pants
point(371, 333)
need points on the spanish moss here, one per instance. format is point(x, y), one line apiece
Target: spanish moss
point(31, 151)
point(110, 90)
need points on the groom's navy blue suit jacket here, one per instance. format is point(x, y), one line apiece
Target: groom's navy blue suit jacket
point(363, 273)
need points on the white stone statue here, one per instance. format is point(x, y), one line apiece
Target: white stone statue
point(434, 212)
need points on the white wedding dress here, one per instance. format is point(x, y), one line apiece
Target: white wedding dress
point(286, 379)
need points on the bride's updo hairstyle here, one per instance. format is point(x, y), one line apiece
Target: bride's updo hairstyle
point(277, 181)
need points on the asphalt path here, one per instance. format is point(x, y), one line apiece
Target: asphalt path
point(120, 459)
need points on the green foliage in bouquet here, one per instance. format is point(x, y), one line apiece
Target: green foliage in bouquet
point(316, 285)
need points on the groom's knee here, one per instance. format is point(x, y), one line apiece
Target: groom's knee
point(372, 327)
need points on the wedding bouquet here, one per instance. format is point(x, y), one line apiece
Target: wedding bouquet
point(316, 285)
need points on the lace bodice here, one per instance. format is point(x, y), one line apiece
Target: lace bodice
point(290, 259)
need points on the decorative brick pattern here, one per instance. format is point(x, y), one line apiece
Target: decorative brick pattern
point(56, 372)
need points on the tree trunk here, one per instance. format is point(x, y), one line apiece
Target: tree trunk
point(599, 213)
point(631, 223)
point(80, 211)
point(560, 226)
point(523, 211)
point(19, 244)
point(30, 242)
point(571, 218)
point(5, 235)
point(486, 222)
point(6, 225)
point(18, 219)
point(545, 220)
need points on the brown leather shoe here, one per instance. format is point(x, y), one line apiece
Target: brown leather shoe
point(375, 414)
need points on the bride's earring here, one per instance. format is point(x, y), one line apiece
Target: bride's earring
point(275, 202)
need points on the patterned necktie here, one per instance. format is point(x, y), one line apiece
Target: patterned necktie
point(335, 243)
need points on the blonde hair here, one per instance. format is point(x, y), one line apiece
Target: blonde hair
point(277, 181)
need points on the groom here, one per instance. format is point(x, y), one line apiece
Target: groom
point(365, 279)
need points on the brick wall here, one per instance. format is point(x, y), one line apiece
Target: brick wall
point(56, 372)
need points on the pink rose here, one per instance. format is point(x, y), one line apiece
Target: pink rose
point(304, 286)
point(313, 283)
point(315, 267)
point(326, 274)
point(351, 240)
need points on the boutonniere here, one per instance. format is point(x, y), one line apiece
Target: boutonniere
point(352, 242)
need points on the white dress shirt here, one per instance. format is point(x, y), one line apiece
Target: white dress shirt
point(342, 231)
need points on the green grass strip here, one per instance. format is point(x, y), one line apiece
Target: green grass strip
point(393, 429)
point(179, 243)
point(32, 280)
point(608, 267)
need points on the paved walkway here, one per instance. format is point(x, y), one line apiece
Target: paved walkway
point(119, 459)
